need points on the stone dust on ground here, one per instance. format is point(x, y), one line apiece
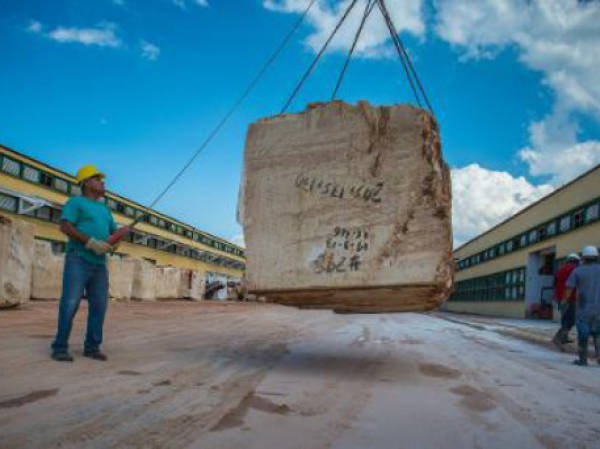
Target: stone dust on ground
point(240, 375)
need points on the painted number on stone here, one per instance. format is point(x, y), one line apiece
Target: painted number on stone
point(312, 184)
point(344, 248)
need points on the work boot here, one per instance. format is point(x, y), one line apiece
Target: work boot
point(558, 339)
point(96, 355)
point(583, 350)
point(62, 356)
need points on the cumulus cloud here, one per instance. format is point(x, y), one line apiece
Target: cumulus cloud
point(34, 27)
point(375, 39)
point(104, 35)
point(482, 198)
point(238, 239)
point(183, 5)
point(560, 39)
point(149, 50)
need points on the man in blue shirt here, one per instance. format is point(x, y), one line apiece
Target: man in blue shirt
point(586, 279)
point(88, 223)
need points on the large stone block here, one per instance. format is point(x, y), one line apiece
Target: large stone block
point(120, 272)
point(348, 207)
point(16, 255)
point(144, 280)
point(47, 275)
point(168, 280)
point(191, 285)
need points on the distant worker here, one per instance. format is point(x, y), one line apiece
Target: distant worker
point(586, 279)
point(567, 306)
point(88, 223)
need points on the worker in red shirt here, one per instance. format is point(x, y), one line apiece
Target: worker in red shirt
point(565, 306)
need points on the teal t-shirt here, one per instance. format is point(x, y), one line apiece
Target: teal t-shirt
point(91, 218)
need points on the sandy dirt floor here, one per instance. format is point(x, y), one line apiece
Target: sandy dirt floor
point(237, 376)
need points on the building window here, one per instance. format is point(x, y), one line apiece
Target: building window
point(533, 236)
point(8, 203)
point(56, 215)
point(153, 220)
point(120, 208)
point(162, 223)
point(31, 174)
point(61, 184)
point(10, 166)
point(75, 190)
point(551, 228)
point(523, 240)
point(45, 179)
point(592, 212)
point(129, 211)
point(578, 218)
point(509, 246)
point(44, 213)
point(112, 204)
point(565, 223)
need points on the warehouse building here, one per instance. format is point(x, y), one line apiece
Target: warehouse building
point(35, 192)
point(508, 270)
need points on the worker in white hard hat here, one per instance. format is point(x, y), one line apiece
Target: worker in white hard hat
point(88, 223)
point(586, 279)
point(565, 306)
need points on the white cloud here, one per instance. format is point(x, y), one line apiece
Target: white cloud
point(482, 198)
point(238, 240)
point(103, 35)
point(323, 16)
point(179, 3)
point(203, 3)
point(34, 26)
point(560, 39)
point(119, 2)
point(149, 50)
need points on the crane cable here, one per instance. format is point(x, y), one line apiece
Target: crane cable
point(368, 8)
point(235, 105)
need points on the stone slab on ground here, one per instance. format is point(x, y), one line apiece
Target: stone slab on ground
point(168, 280)
point(348, 207)
point(16, 256)
point(47, 272)
point(143, 287)
point(121, 273)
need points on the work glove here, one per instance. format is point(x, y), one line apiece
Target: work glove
point(98, 247)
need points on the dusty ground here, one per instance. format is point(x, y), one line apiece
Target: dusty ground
point(189, 375)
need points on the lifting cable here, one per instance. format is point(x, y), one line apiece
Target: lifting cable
point(235, 105)
point(314, 63)
point(409, 69)
point(368, 8)
point(404, 58)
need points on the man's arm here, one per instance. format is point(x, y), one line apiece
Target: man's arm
point(71, 231)
point(567, 293)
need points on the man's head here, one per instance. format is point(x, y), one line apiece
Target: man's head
point(91, 181)
point(573, 258)
point(589, 254)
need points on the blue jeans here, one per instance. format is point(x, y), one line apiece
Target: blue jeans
point(81, 276)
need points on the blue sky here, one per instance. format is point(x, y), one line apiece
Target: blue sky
point(134, 86)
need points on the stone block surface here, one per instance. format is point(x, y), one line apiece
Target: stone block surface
point(348, 207)
point(47, 272)
point(16, 256)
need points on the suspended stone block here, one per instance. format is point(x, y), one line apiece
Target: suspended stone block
point(47, 275)
point(16, 255)
point(144, 280)
point(348, 207)
point(121, 274)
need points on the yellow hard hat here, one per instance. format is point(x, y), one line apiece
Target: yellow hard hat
point(88, 171)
